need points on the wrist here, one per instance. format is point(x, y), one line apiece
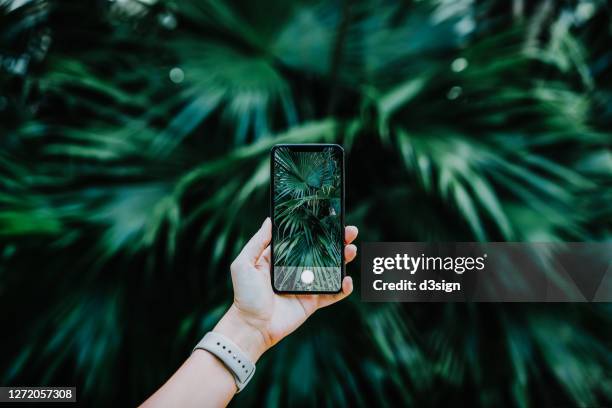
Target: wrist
point(244, 334)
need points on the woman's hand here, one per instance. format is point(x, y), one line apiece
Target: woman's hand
point(260, 318)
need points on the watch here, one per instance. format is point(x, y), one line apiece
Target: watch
point(230, 354)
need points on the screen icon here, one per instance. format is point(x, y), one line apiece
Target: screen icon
point(307, 276)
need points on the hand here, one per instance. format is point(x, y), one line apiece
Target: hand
point(260, 318)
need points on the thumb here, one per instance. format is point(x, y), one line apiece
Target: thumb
point(256, 245)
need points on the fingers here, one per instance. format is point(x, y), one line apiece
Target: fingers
point(347, 289)
point(350, 233)
point(256, 245)
point(350, 252)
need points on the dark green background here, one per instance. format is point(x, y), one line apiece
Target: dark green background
point(134, 164)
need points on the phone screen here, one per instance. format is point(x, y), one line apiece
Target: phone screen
point(307, 218)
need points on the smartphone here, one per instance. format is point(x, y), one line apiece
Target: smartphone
point(307, 211)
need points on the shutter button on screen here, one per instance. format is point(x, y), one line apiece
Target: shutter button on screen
point(307, 276)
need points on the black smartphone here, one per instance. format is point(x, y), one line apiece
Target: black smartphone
point(307, 211)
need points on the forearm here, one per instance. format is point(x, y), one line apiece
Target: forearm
point(203, 380)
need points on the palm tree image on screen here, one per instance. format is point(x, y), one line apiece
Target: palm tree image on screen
point(307, 218)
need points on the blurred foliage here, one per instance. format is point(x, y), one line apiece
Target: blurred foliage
point(133, 166)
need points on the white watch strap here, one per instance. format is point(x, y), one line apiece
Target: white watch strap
point(230, 354)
